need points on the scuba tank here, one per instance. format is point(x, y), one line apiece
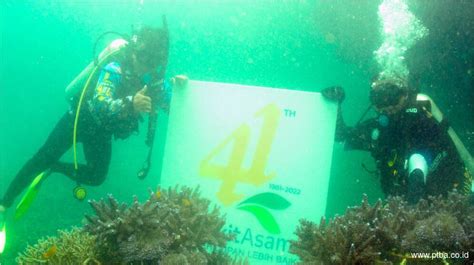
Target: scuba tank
point(78, 83)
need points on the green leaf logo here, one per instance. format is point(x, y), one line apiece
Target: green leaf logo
point(259, 204)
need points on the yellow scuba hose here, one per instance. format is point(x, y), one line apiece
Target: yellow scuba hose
point(79, 105)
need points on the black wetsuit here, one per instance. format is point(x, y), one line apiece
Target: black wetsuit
point(392, 140)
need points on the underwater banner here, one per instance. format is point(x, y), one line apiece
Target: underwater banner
point(262, 154)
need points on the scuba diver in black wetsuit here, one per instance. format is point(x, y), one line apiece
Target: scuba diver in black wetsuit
point(126, 81)
point(415, 150)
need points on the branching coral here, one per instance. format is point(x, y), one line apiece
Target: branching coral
point(349, 239)
point(70, 247)
point(172, 225)
point(385, 232)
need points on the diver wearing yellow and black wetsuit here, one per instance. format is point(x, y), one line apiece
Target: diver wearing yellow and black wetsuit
point(112, 108)
point(414, 154)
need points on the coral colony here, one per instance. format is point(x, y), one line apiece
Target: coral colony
point(386, 233)
point(70, 247)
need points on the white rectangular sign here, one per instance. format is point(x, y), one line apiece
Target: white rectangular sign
point(262, 154)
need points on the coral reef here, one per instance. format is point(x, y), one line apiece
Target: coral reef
point(70, 247)
point(174, 226)
point(385, 233)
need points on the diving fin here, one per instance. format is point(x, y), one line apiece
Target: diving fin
point(30, 195)
point(3, 237)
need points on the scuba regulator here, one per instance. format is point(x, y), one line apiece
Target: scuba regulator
point(79, 192)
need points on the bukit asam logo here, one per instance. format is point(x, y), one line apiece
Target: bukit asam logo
point(232, 173)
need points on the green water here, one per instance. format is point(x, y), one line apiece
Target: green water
point(302, 45)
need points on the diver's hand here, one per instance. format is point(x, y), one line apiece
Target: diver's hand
point(142, 102)
point(334, 93)
point(179, 81)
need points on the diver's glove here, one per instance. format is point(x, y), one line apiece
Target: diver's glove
point(334, 93)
